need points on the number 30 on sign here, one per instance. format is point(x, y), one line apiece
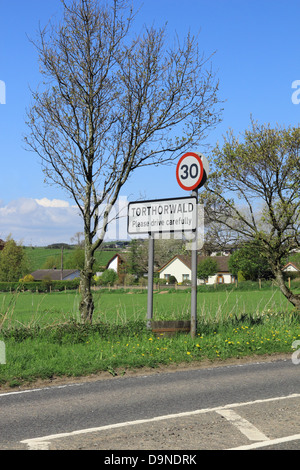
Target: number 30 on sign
point(192, 171)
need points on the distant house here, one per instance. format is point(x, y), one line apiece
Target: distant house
point(116, 262)
point(180, 267)
point(56, 274)
point(291, 267)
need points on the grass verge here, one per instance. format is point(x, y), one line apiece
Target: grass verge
point(73, 349)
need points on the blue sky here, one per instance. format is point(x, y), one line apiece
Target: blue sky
point(256, 45)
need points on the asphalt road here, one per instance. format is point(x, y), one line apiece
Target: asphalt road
point(228, 407)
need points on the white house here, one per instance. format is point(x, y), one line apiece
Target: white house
point(290, 267)
point(116, 262)
point(180, 267)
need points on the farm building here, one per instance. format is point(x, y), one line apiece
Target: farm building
point(180, 267)
point(56, 274)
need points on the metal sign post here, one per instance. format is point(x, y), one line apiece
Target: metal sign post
point(150, 280)
point(191, 173)
point(194, 281)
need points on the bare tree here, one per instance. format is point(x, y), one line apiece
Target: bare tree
point(77, 239)
point(254, 193)
point(113, 102)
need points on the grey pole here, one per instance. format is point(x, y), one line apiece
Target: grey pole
point(194, 277)
point(150, 280)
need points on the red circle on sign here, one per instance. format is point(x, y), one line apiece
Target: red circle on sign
point(192, 183)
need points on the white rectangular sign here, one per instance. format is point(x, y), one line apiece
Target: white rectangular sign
point(161, 216)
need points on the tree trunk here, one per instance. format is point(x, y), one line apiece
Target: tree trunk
point(86, 306)
point(291, 297)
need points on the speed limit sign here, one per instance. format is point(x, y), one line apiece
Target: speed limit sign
point(191, 171)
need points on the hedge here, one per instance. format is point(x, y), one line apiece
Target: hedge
point(39, 286)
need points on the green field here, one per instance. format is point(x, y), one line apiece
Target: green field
point(44, 337)
point(120, 307)
point(37, 256)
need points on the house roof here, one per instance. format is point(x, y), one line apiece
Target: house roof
point(291, 264)
point(122, 258)
point(222, 262)
point(53, 274)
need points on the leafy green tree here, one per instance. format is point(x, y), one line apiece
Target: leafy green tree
point(251, 261)
point(207, 267)
point(254, 192)
point(133, 265)
point(13, 261)
point(75, 259)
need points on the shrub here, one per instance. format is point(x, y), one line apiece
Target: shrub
point(28, 278)
point(108, 278)
point(39, 286)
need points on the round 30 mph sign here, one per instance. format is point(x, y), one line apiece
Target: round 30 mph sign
point(190, 171)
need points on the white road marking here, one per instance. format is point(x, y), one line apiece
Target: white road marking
point(39, 445)
point(33, 444)
point(244, 426)
point(32, 390)
point(259, 445)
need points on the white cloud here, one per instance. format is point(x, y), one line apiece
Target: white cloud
point(45, 202)
point(39, 221)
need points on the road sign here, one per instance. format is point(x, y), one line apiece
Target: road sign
point(192, 171)
point(205, 169)
point(162, 216)
point(189, 171)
